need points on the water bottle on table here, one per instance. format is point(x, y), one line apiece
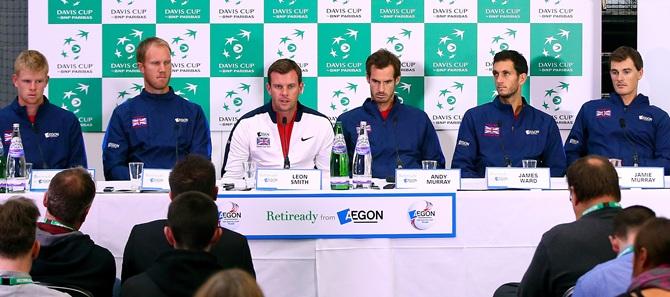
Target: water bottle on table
point(16, 163)
point(362, 162)
point(339, 161)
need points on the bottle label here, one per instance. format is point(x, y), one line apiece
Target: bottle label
point(15, 149)
point(362, 150)
point(339, 148)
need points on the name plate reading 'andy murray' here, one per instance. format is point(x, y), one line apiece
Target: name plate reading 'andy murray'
point(288, 179)
point(518, 178)
point(443, 179)
point(641, 177)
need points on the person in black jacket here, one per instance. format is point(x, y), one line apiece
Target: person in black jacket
point(67, 256)
point(146, 241)
point(192, 229)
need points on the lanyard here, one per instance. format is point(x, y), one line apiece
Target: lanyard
point(627, 250)
point(15, 280)
point(57, 223)
point(600, 206)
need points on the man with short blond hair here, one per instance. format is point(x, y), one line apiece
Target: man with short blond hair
point(51, 135)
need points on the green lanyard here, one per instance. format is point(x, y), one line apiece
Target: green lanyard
point(627, 250)
point(57, 223)
point(600, 206)
point(15, 280)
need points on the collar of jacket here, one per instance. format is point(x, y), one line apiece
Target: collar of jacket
point(508, 107)
point(170, 94)
point(371, 108)
point(639, 101)
point(21, 110)
point(273, 115)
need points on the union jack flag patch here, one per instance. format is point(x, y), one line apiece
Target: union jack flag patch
point(491, 130)
point(139, 122)
point(603, 113)
point(8, 136)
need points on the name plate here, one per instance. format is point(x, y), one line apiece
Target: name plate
point(641, 177)
point(41, 178)
point(443, 179)
point(155, 179)
point(288, 179)
point(518, 178)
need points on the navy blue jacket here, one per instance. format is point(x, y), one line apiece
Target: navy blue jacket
point(148, 128)
point(407, 132)
point(490, 136)
point(53, 142)
point(608, 128)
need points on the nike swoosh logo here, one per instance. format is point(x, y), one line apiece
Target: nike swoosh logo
point(305, 139)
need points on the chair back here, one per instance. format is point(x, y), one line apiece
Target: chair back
point(74, 291)
point(569, 292)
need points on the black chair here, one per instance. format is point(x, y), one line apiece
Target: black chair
point(74, 291)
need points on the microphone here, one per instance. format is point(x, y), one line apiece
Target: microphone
point(398, 161)
point(636, 157)
point(506, 158)
point(36, 130)
point(287, 163)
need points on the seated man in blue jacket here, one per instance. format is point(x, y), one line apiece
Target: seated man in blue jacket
point(508, 130)
point(157, 127)
point(51, 135)
point(401, 136)
point(624, 126)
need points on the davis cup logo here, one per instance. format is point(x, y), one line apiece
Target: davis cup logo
point(340, 101)
point(286, 2)
point(552, 96)
point(556, 2)
point(181, 43)
point(450, 2)
point(500, 2)
point(127, 93)
point(553, 44)
point(125, 45)
point(341, 2)
point(72, 47)
point(234, 47)
point(446, 96)
point(341, 46)
point(188, 88)
point(232, 1)
point(180, 2)
point(234, 98)
point(501, 42)
point(288, 44)
point(396, 42)
point(421, 214)
point(230, 215)
point(72, 100)
point(448, 44)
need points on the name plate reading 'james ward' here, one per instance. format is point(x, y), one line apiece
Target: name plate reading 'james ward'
point(156, 179)
point(288, 179)
point(41, 178)
point(443, 179)
point(641, 177)
point(518, 178)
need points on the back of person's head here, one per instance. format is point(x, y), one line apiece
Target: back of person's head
point(520, 63)
point(193, 218)
point(630, 219)
point(652, 245)
point(193, 173)
point(593, 177)
point(18, 221)
point(622, 53)
point(145, 44)
point(70, 195)
point(230, 283)
point(381, 59)
point(31, 60)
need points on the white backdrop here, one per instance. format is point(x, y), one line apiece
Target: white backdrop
point(654, 45)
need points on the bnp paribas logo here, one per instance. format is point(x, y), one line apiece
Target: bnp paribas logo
point(73, 45)
point(234, 98)
point(343, 48)
point(127, 92)
point(181, 42)
point(449, 49)
point(390, 11)
point(182, 11)
point(81, 97)
point(119, 48)
point(504, 11)
point(557, 48)
point(553, 97)
point(396, 42)
point(74, 11)
point(294, 11)
point(447, 98)
point(340, 99)
point(288, 44)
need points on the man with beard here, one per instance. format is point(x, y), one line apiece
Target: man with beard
point(507, 130)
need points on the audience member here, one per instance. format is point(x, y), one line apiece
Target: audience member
point(230, 283)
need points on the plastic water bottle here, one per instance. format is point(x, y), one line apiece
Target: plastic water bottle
point(339, 161)
point(3, 171)
point(362, 162)
point(16, 163)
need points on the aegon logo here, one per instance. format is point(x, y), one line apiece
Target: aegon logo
point(181, 120)
point(360, 216)
point(51, 135)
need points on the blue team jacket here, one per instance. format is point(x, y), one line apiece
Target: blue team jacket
point(489, 136)
point(608, 128)
point(154, 129)
point(407, 132)
point(53, 142)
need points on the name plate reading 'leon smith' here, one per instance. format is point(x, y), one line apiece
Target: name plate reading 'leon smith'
point(288, 179)
point(444, 179)
point(518, 178)
point(641, 177)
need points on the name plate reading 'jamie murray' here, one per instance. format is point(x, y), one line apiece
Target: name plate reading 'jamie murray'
point(641, 177)
point(518, 178)
point(288, 179)
point(444, 179)
point(156, 179)
point(41, 178)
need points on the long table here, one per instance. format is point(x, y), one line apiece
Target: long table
point(497, 232)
